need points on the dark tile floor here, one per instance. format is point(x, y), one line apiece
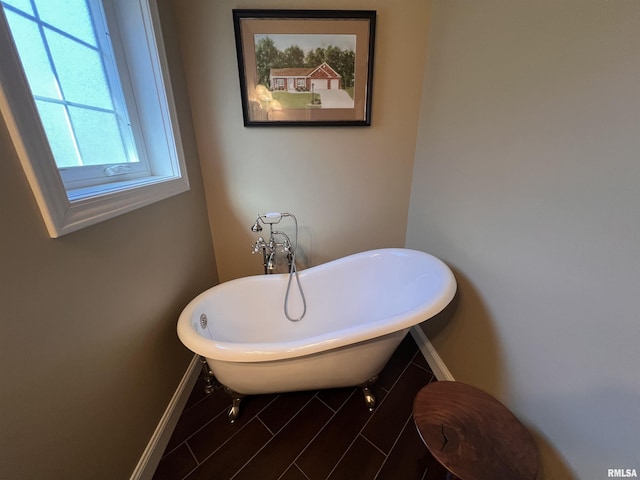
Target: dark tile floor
point(317, 435)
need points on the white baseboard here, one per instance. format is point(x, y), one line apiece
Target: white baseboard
point(438, 367)
point(155, 448)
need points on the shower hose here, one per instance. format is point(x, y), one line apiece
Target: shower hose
point(293, 272)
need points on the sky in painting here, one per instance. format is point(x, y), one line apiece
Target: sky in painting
point(309, 41)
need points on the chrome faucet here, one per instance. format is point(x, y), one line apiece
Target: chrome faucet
point(269, 250)
point(271, 262)
point(270, 247)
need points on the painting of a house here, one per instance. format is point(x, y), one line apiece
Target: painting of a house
point(322, 77)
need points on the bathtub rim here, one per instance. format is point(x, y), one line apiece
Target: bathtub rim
point(270, 351)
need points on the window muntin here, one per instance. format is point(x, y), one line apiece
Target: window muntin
point(68, 59)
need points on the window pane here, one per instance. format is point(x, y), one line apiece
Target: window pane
point(70, 16)
point(33, 55)
point(56, 125)
point(80, 72)
point(98, 137)
point(24, 5)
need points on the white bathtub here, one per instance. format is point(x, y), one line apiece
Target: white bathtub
point(359, 308)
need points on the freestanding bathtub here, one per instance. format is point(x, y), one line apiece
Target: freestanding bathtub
point(359, 308)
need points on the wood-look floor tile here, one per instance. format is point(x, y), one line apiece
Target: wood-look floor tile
point(283, 409)
point(293, 473)
point(420, 361)
point(335, 397)
point(175, 465)
point(231, 456)
point(194, 418)
point(324, 452)
point(361, 462)
point(279, 453)
point(391, 415)
point(397, 363)
point(219, 430)
point(197, 394)
point(408, 457)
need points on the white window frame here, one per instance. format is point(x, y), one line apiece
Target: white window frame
point(65, 211)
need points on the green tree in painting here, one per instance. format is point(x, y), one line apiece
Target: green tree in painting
point(293, 57)
point(267, 57)
point(314, 58)
point(342, 61)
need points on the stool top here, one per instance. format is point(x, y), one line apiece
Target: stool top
point(472, 434)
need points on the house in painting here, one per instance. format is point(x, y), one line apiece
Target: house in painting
point(322, 77)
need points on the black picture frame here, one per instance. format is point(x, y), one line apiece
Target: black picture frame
point(284, 64)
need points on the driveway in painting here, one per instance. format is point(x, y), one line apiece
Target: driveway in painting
point(335, 99)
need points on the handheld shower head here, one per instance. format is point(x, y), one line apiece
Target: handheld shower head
point(268, 219)
point(271, 217)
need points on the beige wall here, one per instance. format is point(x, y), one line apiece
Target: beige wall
point(348, 187)
point(89, 357)
point(526, 182)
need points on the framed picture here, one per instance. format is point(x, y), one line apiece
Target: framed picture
point(305, 67)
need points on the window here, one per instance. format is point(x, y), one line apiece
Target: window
point(86, 96)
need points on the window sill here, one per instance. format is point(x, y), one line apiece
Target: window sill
point(77, 195)
point(120, 198)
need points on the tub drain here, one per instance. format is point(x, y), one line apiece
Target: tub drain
point(203, 321)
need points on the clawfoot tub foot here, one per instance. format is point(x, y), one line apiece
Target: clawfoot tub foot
point(236, 398)
point(369, 397)
point(209, 379)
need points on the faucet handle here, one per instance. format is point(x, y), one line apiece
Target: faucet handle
point(258, 245)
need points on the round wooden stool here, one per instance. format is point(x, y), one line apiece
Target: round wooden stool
point(473, 435)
